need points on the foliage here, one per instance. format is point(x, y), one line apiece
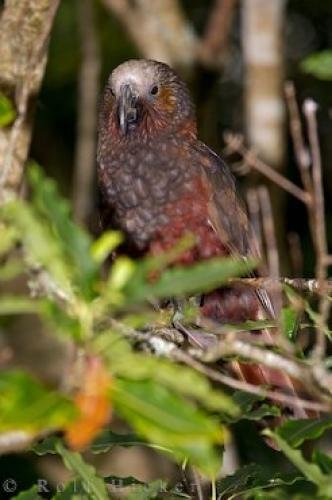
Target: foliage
point(7, 112)
point(319, 65)
point(169, 407)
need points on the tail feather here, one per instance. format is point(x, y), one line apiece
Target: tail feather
point(239, 303)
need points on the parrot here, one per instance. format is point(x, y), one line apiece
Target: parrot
point(158, 182)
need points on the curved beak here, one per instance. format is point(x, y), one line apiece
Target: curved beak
point(127, 107)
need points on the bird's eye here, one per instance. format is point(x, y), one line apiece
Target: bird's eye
point(154, 90)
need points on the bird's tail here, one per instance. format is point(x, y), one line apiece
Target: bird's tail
point(237, 304)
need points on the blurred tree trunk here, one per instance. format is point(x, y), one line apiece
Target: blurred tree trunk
point(159, 29)
point(88, 92)
point(262, 35)
point(25, 26)
point(262, 24)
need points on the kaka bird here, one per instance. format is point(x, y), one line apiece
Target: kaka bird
point(158, 182)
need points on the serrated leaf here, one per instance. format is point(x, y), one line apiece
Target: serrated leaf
point(92, 484)
point(252, 408)
point(46, 446)
point(250, 478)
point(319, 65)
point(30, 494)
point(26, 405)
point(201, 277)
point(295, 432)
point(74, 241)
point(122, 482)
point(148, 491)
point(40, 245)
point(108, 439)
point(169, 421)
point(323, 461)
point(122, 361)
point(72, 491)
point(93, 402)
point(310, 470)
point(7, 111)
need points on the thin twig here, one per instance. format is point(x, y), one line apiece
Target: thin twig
point(271, 245)
point(234, 144)
point(217, 376)
point(300, 284)
point(300, 149)
point(254, 216)
point(214, 42)
point(198, 484)
point(319, 227)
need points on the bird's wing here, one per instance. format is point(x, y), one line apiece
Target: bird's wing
point(228, 217)
point(227, 213)
point(226, 210)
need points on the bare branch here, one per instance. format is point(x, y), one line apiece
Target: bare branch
point(159, 29)
point(300, 148)
point(88, 90)
point(240, 385)
point(234, 144)
point(319, 226)
point(25, 27)
point(300, 284)
point(214, 43)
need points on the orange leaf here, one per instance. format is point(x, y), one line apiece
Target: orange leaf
point(92, 400)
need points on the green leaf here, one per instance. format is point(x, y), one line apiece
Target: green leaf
point(319, 65)
point(201, 277)
point(147, 491)
point(30, 494)
point(295, 432)
point(9, 237)
point(323, 461)
point(72, 491)
point(46, 446)
point(28, 406)
point(289, 321)
point(127, 364)
point(165, 419)
point(41, 247)
point(105, 244)
point(14, 304)
point(122, 482)
point(108, 439)
point(11, 269)
point(310, 470)
point(264, 410)
point(62, 323)
point(7, 111)
point(250, 478)
point(91, 482)
point(74, 241)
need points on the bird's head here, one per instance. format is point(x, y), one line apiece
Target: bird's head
point(143, 98)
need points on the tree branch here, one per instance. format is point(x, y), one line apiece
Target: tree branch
point(25, 27)
point(235, 144)
point(159, 29)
